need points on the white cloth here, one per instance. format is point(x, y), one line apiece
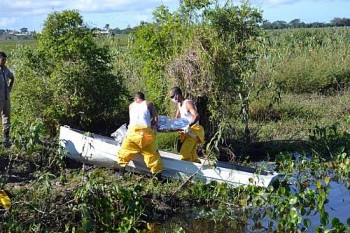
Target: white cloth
point(165, 124)
point(120, 134)
point(139, 114)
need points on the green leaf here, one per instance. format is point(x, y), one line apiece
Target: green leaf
point(318, 184)
point(324, 219)
point(307, 222)
point(335, 221)
point(243, 202)
point(327, 180)
point(293, 200)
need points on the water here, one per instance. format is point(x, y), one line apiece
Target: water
point(193, 221)
point(338, 205)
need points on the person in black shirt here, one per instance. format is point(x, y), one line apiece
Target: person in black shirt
point(6, 83)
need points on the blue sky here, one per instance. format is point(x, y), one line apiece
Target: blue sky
point(15, 14)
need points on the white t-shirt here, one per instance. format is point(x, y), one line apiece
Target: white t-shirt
point(184, 113)
point(139, 114)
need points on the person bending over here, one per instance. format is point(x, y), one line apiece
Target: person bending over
point(141, 136)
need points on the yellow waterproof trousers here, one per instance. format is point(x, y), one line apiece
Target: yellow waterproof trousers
point(142, 140)
point(189, 142)
point(5, 201)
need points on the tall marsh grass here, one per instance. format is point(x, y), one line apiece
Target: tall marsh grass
point(8, 46)
point(307, 60)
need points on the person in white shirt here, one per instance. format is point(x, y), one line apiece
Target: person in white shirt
point(193, 134)
point(141, 136)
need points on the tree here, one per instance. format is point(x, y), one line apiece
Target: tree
point(71, 76)
point(339, 22)
point(266, 24)
point(295, 23)
point(24, 30)
point(317, 25)
point(279, 24)
point(209, 51)
point(154, 44)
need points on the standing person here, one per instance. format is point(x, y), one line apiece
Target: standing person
point(193, 134)
point(6, 82)
point(141, 136)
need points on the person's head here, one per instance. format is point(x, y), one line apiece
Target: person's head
point(139, 97)
point(176, 94)
point(3, 58)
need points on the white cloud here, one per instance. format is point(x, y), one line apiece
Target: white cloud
point(24, 12)
point(6, 21)
point(281, 2)
point(38, 6)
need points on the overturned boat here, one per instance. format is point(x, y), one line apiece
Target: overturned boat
point(103, 151)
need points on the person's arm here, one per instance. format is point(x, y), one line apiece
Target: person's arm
point(129, 113)
point(154, 116)
point(12, 80)
point(177, 114)
point(190, 107)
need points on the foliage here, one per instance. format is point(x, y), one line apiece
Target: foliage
point(31, 140)
point(106, 207)
point(70, 76)
point(95, 205)
point(83, 201)
point(9, 46)
point(293, 59)
point(208, 50)
point(201, 49)
point(153, 45)
point(329, 141)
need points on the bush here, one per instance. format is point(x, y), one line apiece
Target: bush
point(70, 78)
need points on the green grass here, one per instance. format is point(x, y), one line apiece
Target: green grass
point(8, 46)
point(298, 113)
point(167, 141)
point(307, 60)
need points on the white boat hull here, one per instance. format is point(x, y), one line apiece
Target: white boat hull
point(102, 151)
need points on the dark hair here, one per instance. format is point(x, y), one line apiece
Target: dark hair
point(140, 95)
point(176, 90)
point(3, 55)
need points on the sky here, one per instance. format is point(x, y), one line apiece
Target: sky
point(31, 14)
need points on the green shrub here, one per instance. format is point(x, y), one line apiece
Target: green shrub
point(167, 141)
point(68, 78)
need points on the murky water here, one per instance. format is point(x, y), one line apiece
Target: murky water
point(193, 221)
point(338, 205)
point(189, 223)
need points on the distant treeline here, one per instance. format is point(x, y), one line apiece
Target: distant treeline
point(297, 23)
point(122, 31)
point(279, 24)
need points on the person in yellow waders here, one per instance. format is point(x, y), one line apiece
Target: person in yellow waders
point(193, 134)
point(5, 201)
point(141, 136)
